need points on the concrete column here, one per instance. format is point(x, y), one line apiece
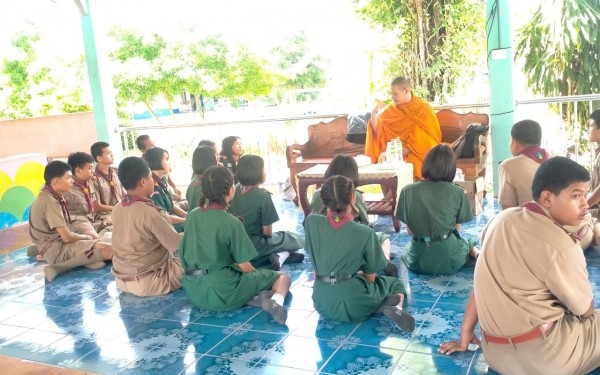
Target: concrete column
point(500, 63)
point(103, 93)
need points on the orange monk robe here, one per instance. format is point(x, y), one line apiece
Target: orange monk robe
point(414, 123)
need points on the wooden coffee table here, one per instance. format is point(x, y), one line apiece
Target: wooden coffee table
point(393, 176)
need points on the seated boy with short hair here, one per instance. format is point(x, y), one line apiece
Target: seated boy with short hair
point(49, 221)
point(143, 237)
point(80, 199)
point(106, 182)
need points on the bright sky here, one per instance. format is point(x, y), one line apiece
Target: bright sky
point(332, 27)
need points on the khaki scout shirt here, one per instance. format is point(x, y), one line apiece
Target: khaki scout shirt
point(515, 177)
point(528, 273)
point(77, 205)
point(44, 217)
point(103, 189)
point(143, 239)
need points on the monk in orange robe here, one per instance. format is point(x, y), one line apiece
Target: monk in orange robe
point(409, 118)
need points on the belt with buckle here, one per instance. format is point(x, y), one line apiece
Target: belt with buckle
point(527, 336)
point(432, 239)
point(137, 277)
point(332, 278)
point(196, 272)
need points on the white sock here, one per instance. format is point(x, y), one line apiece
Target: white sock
point(278, 298)
point(283, 256)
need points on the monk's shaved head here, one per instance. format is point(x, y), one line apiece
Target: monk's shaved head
point(400, 90)
point(401, 81)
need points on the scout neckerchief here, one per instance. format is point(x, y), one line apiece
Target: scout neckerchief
point(538, 210)
point(214, 206)
point(245, 189)
point(130, 199)
point(537, 154)
point(108, 177)
point(162, 183)
point(84, 186)
point(337, 219)
point(61, 201)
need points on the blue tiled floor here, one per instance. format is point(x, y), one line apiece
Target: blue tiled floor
point(82, 321)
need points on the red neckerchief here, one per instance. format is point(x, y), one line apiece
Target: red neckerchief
point(162, 182)
point(61, 201)
point(537, 154)
point(84, 186)
point(533, 207)
point(108, 177)
point(130, 199)
point(336, 220)
point(214, 206)
point(245, 189)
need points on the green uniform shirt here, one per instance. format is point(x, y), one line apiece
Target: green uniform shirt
point(316, 205)
point(215, 240)
point(344, 251)
point(432, 209)
point(194, 193)
point(163, 199)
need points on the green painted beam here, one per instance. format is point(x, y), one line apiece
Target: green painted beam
point(500, 63)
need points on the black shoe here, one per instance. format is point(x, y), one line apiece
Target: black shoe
point(274, 259)
point(294, 258)
point(403, 319)
point(261, 296)
point(278, 312)
point(391, 300)
point(391, 269)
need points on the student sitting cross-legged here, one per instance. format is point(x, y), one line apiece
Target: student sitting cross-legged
point(158, 160)
point(203, 158)
point(144, 239)
point(433, 210)
point(49, 221)
point(255, 206)
point(106, 184)
point(346, 256)
point(216, 254)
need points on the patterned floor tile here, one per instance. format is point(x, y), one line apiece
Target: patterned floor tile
point(202, 338)
point(181, 310)
point(264, 322)
point(362, 360)
point(29, 342)
point(305, 353)
point(314, 326)
point(261, 369)
point(210, 365)
point(250, 347)
point(9, 309)
point(381, 333)
point(300, 297)
point(146, 330)
point(226, 318)
point(20, 282)
point(161, 361)
point(112, 357)
point(421, 364)
point(66, 350)
point(34, 316)
point(8, 332)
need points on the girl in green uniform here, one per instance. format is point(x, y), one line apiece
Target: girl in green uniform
point(231, 151)
point(256, 207)
point(346, 256)
point(203, 158)
point(433, 210)
point(216, 252)
point(158, 160)
point(346, 166)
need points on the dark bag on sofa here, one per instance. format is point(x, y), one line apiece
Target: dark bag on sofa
point(357, 128)
point(463, 146)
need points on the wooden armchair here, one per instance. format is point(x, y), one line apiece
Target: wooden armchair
point(325, 140)
point(453, 125)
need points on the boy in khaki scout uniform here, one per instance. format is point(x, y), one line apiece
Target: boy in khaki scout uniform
point(531, 291)
point(144, 238)
point(80, 199)
point(105, 181)
point(49, 222)
point(516, 174)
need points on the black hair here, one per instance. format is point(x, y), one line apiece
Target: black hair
point(207, 142)
point(154, 158)
point(204, 157)
point(216, 183)
point(131, 170)
point(556, 174)
point(140, 141)
point(337, 192)
point(343, 165)
point(226, 145)
point(97, 149)
point(439, 164)
point(250, 170)
point(79, 160)
point(527, 133)
point(55, 169)
point(596, 117)
point(401, 81)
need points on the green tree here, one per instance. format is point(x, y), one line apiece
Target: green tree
point(560, 48)
point(247, 78)
point(439, 41)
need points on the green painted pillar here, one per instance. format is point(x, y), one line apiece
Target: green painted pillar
point(500, 63)
point(103, 98)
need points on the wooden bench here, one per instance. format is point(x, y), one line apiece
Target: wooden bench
point(325, 140)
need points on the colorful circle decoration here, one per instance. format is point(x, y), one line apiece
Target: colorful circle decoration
point(30, 175)
point(16, 198)
point(7, 220)
point(5, 183)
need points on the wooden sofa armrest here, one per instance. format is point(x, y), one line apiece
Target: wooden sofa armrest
point(293, 152)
